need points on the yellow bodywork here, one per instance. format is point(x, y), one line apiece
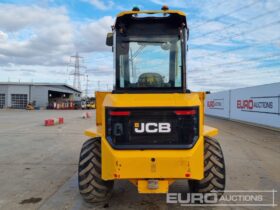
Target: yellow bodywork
point(152, 12)
point(139, 166)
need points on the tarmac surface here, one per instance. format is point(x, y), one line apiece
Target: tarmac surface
point(38, 164)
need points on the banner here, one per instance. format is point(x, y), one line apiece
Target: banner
point(258, 104)
point(217, 104)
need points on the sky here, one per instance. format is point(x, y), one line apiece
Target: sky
point(232, 44)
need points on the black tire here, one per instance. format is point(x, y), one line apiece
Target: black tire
point(92, 188)
point(214, 170)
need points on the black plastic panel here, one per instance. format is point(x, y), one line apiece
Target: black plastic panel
point(121, 131)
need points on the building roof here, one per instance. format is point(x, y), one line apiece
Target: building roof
point(40, 84)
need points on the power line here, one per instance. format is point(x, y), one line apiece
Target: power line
point(236, 24)
point(227, 14)
point(76, 72)
point(211, 8)
point(250, 31)
point(237, 49)
point(246, 73)
point(246, 60)
point(100, 71)
point(86, 91)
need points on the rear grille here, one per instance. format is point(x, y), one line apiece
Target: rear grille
point(152, 128)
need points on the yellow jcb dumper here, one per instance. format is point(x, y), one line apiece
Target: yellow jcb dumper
point(150, 129)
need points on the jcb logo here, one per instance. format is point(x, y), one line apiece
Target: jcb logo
point(152, 127)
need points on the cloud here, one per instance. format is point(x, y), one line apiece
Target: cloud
point(235, 33)
point(31, 35)
point(101, 71)
point(100, 4)
point(3, 36)
point(36, 43)
point(28, 70)
point(91, 36)
point(173, 3)
point(37, 73)
point(34, 35)
point(16, 17)
point(41, 38)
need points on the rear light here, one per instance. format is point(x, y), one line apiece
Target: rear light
point(119, 113)
point(185, 112)
point(116, 124)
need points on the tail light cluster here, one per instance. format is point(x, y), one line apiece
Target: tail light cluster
point(152, 128)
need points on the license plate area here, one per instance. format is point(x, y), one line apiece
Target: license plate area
point(152, 184)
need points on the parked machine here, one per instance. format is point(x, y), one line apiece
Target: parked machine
point(150, 129)
point(90, 105)
point(30, 106)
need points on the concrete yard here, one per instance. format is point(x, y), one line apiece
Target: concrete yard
point(38, 164)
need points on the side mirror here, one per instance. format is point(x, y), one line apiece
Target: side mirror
point(208, 92)
point(109, 39)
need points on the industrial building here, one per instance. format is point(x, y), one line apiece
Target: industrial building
point(41, 95)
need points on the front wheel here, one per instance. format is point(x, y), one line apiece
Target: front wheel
point(92, 188)
point(214, 170)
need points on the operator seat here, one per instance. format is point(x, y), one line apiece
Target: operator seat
point(150, 80)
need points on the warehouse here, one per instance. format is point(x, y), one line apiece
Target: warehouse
point(41, 95)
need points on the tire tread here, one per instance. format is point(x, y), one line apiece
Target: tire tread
point(92, 188)
point(214, 170)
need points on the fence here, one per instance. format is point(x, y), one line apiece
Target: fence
point(258, 105)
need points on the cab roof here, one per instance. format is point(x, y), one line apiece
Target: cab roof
point(175, 17)
point(151, 12)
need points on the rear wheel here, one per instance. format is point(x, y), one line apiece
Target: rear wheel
point(92, 188)
point(214, 170)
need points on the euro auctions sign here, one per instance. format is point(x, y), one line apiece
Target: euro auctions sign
point(266, 104)
point(258, 105)
point(215, 104)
